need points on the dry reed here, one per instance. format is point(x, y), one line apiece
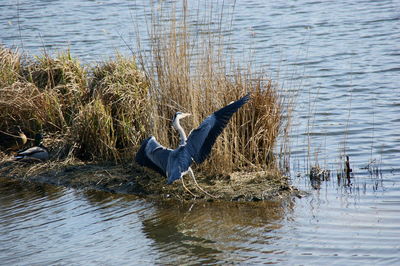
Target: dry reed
point(118, 113)
point(191, 73)
point(9, 66)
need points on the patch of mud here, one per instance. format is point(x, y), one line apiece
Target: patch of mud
point(134, 179)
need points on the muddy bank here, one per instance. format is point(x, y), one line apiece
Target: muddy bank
point(133, 179)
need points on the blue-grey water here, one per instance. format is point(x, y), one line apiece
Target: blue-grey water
point(343, 60)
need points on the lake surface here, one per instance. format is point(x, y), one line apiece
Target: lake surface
point(343, 59)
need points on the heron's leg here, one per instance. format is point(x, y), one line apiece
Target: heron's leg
point(188, 190)
point(197, 184)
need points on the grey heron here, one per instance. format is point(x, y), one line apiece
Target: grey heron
point(35, 153)
point(175, 163)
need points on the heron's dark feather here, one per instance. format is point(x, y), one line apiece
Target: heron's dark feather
point(202, 139)
point(153, 155)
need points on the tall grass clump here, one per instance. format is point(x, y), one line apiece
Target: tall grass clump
point(65, 83)
point(118, 112)
point(9, 66)
point(21, 105)
point(102, 110)
point(94, 133)
point(40, 94)
point(190, 71)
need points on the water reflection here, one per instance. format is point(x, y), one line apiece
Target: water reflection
point(43, 224)
point(21, 203)
point(27, 190)
point(17, 200)
point(214, 232)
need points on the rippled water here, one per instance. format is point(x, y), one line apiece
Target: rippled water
point(342, 57)
point(43, 225)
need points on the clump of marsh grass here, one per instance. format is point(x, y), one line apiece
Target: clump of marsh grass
point(9, 66)
point(120, 85)
point(64, 80)
point(190, 72)
point(117, 114)
point(42, 93)
point(94, 132)
point(105, 121)
point(19, 111)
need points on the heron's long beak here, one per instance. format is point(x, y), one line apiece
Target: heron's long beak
point(186, 114)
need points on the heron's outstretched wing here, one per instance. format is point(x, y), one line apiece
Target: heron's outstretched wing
point(153, 155)
point(201, 140)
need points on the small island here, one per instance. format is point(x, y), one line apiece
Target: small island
point(94, 118)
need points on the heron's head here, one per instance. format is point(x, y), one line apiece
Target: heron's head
point(179, 115)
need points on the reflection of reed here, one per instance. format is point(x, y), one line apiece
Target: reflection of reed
point(26, 191)
point(210, 232)
point(21, 203)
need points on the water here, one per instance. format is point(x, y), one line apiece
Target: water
point(42, 225)
point(342, 57)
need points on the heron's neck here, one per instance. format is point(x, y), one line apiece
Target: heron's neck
point(182, 134)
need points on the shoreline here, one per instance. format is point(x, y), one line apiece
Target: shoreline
point(135, 180)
